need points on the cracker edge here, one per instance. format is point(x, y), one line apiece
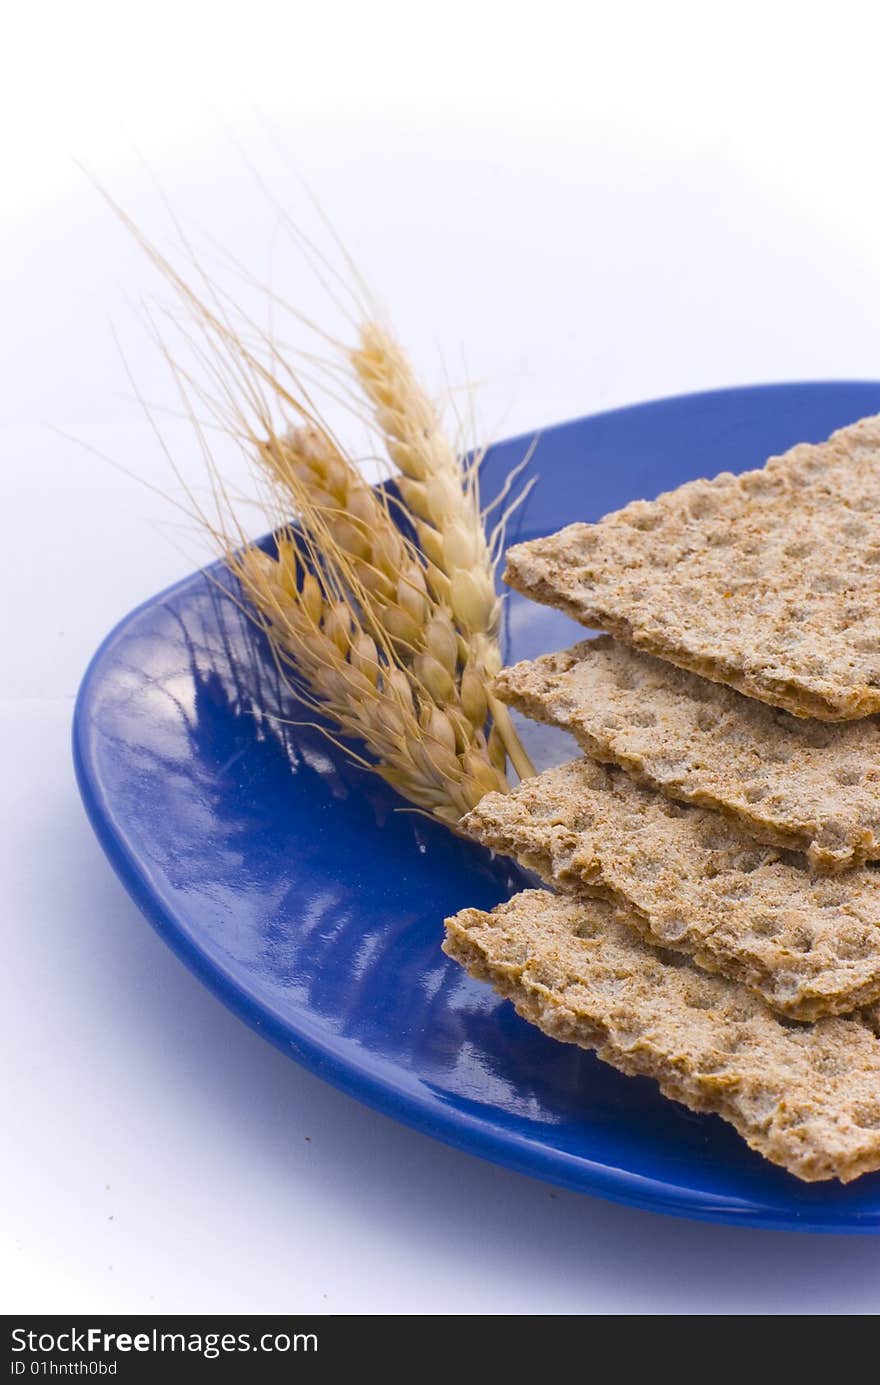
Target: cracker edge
point(561, 1023)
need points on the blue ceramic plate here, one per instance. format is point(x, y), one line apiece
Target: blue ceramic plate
point(289, 882)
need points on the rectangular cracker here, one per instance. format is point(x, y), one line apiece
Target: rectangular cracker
point(688, 879)
point(768, 582)
point(803, 784)
point(805, 1096)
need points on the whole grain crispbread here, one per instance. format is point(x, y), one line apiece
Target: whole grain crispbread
point(805, 1096)
point(768, 581)
point(803, 784)
point(688, 879)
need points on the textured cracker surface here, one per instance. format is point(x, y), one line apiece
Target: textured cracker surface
point(688, 879)
point(769, 581)
point(805, 1096)
point(803, 784)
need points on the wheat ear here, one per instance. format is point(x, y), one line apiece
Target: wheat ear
point(421, 744)
point(441, 492)
point(346, 601)
point(381, 571)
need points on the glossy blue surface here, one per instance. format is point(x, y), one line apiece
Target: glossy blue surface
point(288, 882)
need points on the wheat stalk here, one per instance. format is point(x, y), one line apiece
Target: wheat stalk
point(394, 643)
point(435, 486)
point(307, 468)
point(346, 607)
point(382, 574)
point(442, 494)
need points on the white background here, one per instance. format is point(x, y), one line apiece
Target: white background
point(589, 204)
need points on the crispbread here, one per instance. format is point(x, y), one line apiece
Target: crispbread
point(769, 581)
point(805, 1096)
point(688, 879)
point(802, 784)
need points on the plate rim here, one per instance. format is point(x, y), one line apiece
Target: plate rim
point(476, 1135)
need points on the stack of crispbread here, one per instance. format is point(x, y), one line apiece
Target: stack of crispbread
point(718, 926)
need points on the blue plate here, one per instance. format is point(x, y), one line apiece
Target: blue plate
point(289, 882)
